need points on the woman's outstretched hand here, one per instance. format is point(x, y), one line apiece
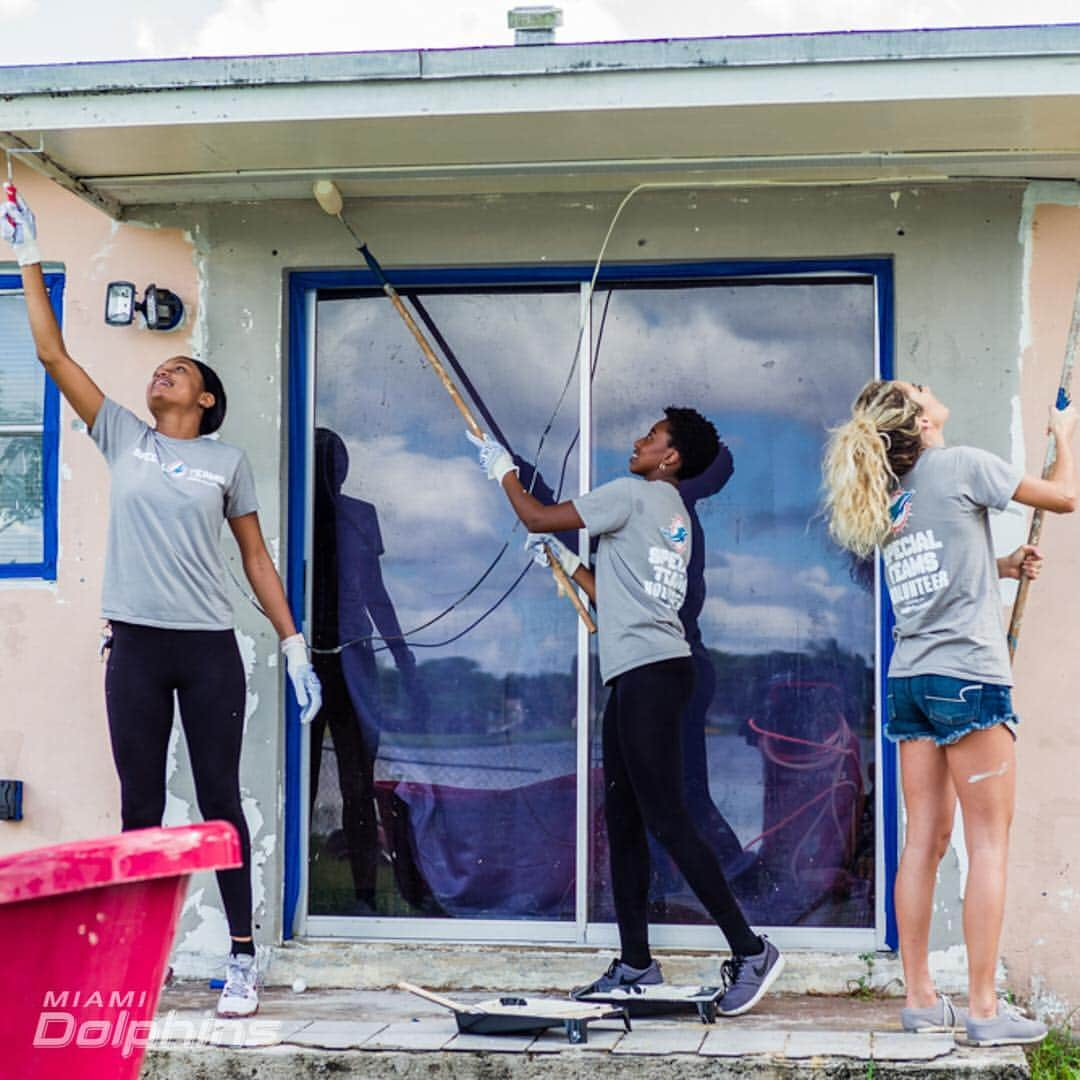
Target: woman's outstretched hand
point(19, 228)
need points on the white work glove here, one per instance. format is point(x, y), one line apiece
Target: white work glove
point(534, 543)
point(19, 229)
point(305, 682)
point(495, 459)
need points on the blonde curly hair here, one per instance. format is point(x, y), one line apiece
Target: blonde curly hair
point(865, 460)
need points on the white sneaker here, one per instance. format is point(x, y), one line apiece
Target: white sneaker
point(239, 998)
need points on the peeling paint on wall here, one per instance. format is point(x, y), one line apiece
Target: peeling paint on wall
point(210, 933)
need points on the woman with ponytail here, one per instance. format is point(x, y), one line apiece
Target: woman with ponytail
point(891, 484)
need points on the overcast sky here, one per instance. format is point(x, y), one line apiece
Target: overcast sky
point(41, 31)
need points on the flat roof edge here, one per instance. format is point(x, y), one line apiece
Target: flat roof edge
point(147, 76)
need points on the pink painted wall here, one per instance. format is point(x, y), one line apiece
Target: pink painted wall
point(52, 727)
point(1041, 947)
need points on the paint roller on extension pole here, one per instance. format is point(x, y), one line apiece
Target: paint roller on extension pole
point(329, 199)
point(1064, 395)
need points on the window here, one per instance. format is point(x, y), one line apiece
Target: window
point(29, 438)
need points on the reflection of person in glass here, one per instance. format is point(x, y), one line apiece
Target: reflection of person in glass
point(644, 546)
point(350, 605)
point(892, 484)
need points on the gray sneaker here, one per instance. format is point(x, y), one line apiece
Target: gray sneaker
point(1008, 1027)
point(942, 1016)
point(748, 978)
point(619, 975)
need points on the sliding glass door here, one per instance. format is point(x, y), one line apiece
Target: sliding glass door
point(455, 786)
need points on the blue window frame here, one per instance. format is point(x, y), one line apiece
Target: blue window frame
point(303, 285)
point(30, 438)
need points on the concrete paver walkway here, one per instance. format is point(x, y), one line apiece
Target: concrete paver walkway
point(373, 1033)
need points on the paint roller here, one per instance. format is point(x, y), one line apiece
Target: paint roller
point(1064, 394)
point(329, 199)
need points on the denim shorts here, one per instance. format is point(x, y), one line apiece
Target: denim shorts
point(945, 709)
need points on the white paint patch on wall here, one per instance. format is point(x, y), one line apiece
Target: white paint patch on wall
point(246, 644)
point(199, 251)
point(261, 849)
point(210, 934)
point(178, 811)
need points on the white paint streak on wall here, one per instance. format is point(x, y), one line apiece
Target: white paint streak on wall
point(210, 934)
point(177, 810)
point(100, 257)
point(246, 645)
point(960, 847)
point(261, 850)
point(895, 196)
point(199, 251)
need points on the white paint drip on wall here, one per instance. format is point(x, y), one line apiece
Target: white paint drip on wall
point(895, 196)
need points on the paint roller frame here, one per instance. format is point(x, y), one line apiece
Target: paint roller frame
point(329, 198)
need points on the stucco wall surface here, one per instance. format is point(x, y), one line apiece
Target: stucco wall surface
point(958, 270)
point(1042, 932)
point(53, 734)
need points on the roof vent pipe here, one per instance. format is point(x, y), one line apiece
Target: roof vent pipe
point(534, 25)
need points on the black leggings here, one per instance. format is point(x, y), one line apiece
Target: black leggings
point(644, 789)
point(146, 664)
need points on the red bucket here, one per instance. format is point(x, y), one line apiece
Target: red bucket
point(86, 931)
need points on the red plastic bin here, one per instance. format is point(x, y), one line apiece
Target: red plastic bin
point(86, 930)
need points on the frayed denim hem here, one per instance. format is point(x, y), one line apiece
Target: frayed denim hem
point(1009, 721)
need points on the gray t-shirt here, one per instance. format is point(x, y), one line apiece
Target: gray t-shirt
point(641, 561)
point(940, 566)
point(163, 564)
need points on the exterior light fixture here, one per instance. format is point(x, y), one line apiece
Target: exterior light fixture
point(161, 308)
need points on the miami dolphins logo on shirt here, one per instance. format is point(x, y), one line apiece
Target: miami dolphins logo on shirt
point(676, 534)
point(177, 468)
point(900, 510)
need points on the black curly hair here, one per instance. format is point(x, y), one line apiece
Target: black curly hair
point(694, 437)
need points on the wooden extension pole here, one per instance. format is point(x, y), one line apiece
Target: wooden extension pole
point(564, 582)
point(1064, 394)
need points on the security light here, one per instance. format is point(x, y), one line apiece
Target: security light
point(161, 308)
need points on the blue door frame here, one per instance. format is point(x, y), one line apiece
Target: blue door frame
point(301, 283)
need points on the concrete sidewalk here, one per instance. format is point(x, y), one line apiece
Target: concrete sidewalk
point(375, 1033)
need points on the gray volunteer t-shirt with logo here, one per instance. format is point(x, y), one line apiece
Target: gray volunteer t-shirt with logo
point(164, 565)
point(641, 561)
point(940, 566)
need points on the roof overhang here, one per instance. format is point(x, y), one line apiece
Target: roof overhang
point(925, 106)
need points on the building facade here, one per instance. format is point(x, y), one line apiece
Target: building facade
point(588, 234)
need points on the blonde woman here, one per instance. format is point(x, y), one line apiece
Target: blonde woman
point(892, 484)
